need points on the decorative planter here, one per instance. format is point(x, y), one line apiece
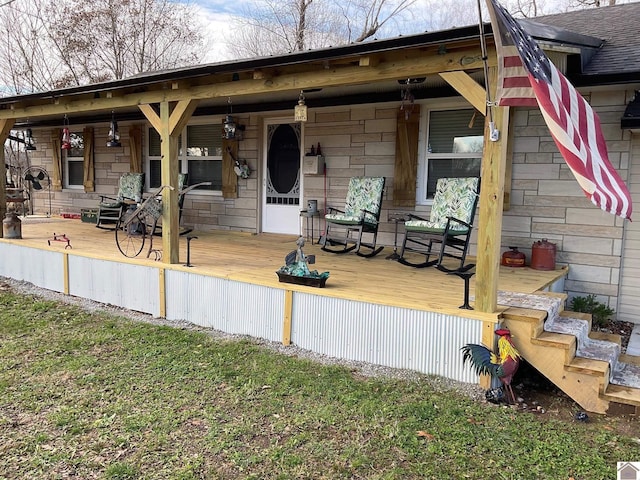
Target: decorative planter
point(318, 282)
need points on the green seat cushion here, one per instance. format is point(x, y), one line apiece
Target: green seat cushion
point(425, 226)
point(111, 205)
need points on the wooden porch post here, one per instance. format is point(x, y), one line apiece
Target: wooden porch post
point(5, 129)
point(169, 176)
point(169, 125)
point(491, 204)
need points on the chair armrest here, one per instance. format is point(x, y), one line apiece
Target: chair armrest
point(365, 211)
point(416, 217)
point(456, 220)
point(106, 197)
point(334, 209)
point(191, 187)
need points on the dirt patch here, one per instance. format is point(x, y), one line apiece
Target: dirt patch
point(538, 396)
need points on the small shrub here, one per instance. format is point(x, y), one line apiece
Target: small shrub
point(600, 313)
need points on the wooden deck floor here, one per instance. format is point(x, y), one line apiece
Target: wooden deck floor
point(255, 258)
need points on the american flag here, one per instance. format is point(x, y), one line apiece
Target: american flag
point(528, 78)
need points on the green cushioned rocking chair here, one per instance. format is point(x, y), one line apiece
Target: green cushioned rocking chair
point(361, 215)
point(449, 225)
point(110, 209)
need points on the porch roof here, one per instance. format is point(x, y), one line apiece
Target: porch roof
point(439, 48)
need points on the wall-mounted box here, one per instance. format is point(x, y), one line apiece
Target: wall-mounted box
point(313, 165)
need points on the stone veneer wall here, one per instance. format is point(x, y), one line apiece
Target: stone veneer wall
point(547, 202)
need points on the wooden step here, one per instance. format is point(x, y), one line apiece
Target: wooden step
point(568, 343)
point(608, 337)
point(585, 380)
point(620, 394)
point(632, 359)
point(589, 366)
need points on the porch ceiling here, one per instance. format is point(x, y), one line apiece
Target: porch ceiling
point(374, 73)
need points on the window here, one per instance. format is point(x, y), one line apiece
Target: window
point(453, 148)
point(74, 162)
point(199, 155)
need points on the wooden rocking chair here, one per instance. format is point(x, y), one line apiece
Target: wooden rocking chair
point(449, 225)
point(361, 215)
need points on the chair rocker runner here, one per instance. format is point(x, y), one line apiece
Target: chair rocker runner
point(361, 215)
point(129, 192)
point(449, 225)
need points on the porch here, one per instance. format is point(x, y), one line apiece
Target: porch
point(372, 310)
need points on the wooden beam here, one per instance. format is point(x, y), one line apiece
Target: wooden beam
point(162, 291)
point(286, 326)
point(491, 202)
point(169, 176)
point(368, 61)
point(427, 64)
point(151, 116)
point(180, 115)
point(466, 86)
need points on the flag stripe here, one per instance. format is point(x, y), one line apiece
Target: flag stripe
point(573, 124)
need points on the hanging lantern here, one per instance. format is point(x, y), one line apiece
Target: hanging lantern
point(28, 140)
point(114, 134)
point(66, 135)
point(229, 127)
point(229, 124)
point(300, 110)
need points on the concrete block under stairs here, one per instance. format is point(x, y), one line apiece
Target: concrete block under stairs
point(586, 365)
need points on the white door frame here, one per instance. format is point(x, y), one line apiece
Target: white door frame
point(283, 219)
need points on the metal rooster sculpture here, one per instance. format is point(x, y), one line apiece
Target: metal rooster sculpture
point(502, 365)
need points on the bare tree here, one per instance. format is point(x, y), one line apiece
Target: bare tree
point(65, 43)
point(27, 65)
point(277, 26)
point(594, 3)
point(365, 18)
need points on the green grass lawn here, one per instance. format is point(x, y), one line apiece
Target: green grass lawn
point(88, 395)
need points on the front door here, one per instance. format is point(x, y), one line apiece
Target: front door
point(282, 180)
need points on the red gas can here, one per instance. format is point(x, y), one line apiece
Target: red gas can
point(543, 255)
point(513, 258)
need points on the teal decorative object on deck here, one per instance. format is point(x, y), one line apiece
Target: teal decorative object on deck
point(296, 269)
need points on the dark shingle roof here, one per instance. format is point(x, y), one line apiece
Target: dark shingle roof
point(618, 26)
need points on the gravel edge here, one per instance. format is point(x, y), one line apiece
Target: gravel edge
point(438, 384)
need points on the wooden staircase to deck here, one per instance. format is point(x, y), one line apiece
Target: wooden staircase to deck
point(558, 356)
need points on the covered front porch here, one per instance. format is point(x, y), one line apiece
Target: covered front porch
point(373, 310)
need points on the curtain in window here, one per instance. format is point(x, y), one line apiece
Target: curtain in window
point(135, 147)
point(406, 165)
point(56, 168)
point(89, 175)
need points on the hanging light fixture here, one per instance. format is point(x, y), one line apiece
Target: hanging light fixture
point(300, 110)
point(407, 99)
point(66, 135)
point(28, 140)
point(229, 124)
point(114, 134)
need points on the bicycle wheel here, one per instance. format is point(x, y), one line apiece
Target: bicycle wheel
point(130, 235)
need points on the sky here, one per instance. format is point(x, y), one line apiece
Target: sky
point(217, 15)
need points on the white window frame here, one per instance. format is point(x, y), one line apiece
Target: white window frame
point(423, 145)
point(73, 159)
point(183, 157)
